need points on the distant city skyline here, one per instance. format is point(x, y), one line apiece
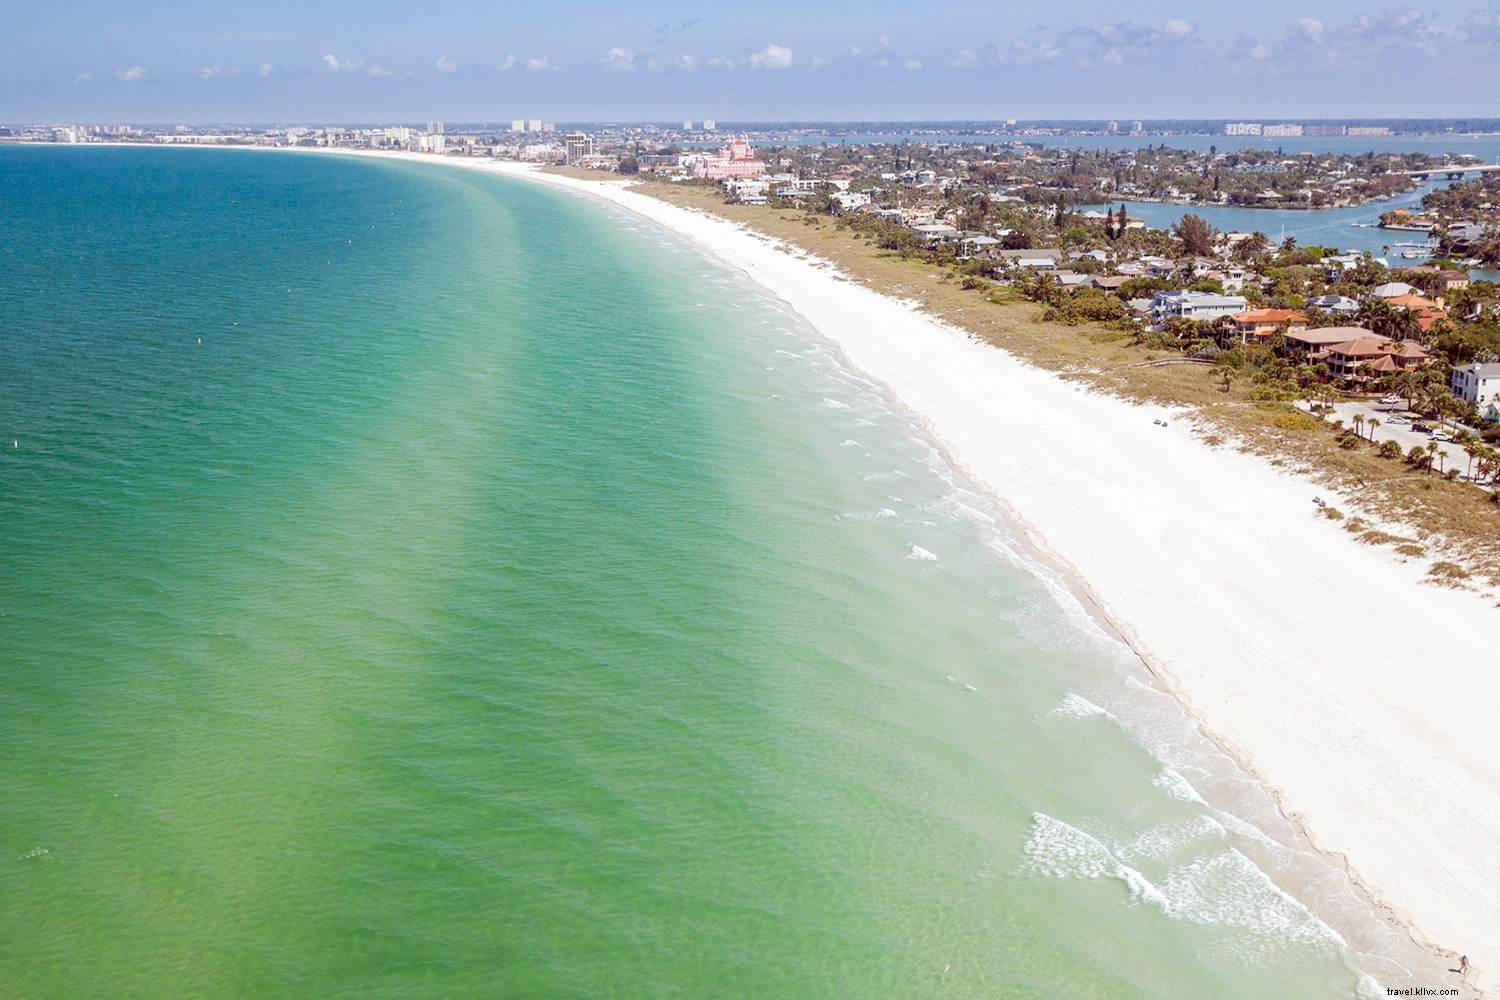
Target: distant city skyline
point(583, 60)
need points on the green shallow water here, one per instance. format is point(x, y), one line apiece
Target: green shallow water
point(419, 584)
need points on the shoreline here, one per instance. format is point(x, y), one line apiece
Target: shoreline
point(1347, 747)
point(1323, 668)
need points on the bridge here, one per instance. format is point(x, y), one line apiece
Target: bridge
point(1452, 171)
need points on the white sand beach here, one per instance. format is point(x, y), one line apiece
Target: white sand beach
point(1363, 697)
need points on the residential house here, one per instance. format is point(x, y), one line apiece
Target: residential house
point(1333, 304)
point(1345, 349)
point(1477, 383)
point(1031, 258)
point(1073, 279)
point(1451, 279)
point(1197, 306)
point(1256, 326)
point(1231, 279)
point(1427, 311)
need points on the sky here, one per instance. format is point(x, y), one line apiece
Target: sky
point(308, 61)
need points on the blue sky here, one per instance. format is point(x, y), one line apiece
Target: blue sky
point(590, 60)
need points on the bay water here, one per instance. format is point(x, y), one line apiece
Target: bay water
point(420, 583)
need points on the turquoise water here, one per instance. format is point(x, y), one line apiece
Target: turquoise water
point(423, 584)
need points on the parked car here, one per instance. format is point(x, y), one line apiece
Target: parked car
point(1390, 400)
point(1397, 420)
point(1442, 436)
point(1421, 428)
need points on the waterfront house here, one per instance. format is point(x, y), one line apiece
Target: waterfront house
point(1036, 258)
point(1256, 326)
point(1346, 349)
point(1196, 306)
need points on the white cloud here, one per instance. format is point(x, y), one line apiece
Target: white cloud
point(670, 64)
point(911, 64)
point(335, 66)
point(505, 65)
point(379, 71)
point(619, 60)
point(83, 78)
point(771, 57)
point(1112, 57)
point(537, 65)
point(1312, 28)
point(266, 69)
point(1260, 51)
point(446, 65)
point(1176, 27)
point(132, 74)
point(208, 72)
point(721, 62)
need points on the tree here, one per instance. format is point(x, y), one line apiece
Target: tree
point(1434, 452)
point(1196, 234)
point(1372, 423)
point(1409, 385)
point(1471, 445)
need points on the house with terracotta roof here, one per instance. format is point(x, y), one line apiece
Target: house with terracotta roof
point(1428, 311)
point(1256, 326)
point(1345, 349)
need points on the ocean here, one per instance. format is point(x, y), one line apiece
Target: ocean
point(419, 582)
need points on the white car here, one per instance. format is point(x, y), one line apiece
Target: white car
point(1397, 420)
point(1390, 400)
point(1442, 436)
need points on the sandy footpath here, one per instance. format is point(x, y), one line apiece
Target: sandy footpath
point(1367, 699)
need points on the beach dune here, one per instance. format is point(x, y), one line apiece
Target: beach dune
point(1365, 698)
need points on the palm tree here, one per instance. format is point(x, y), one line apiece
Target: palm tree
point(1471, 448)
point(1434, 452)
point(1409, 385)
point(1372, 423)
point(1358, 421)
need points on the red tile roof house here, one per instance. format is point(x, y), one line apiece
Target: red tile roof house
point(1256, 326)
point(1426, 310)
point(1345, 348)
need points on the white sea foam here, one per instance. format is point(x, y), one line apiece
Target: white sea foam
point(1176, 786)
point(1227, 890)
point(1161, 843)
point(1077, 707)
point(919, 553)
point(886, 512)
point(1222, 889)
point(848, 443)
point(1057, 850)
point(833, 404)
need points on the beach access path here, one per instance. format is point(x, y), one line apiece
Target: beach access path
point(1366, 699)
